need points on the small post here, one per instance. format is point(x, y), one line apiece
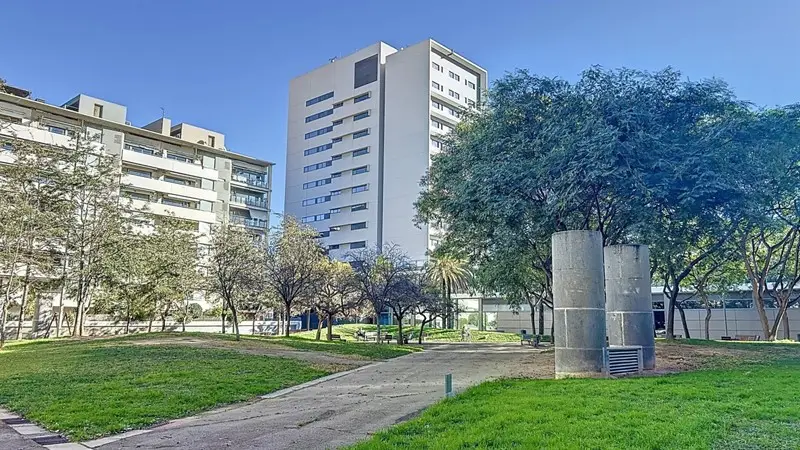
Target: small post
point(448, 385)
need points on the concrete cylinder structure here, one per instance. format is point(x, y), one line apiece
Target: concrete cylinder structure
point(629, 303)
point(578, 304)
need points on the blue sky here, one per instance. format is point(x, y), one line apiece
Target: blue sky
point(226, 65)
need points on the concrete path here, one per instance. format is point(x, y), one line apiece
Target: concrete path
point(349, 408)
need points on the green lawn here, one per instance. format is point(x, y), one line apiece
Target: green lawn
point(93, 388)
point(431, 334)
point(737, 405)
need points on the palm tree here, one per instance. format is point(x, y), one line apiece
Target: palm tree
point(452, 274)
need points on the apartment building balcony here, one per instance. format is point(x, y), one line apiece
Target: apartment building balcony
point(250, 180)
point(253, 202)
point(47, 135)
point(249, 222)
point(182, 190)
point(194, 214)
point(135, 155)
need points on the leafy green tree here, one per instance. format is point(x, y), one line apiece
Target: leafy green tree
point(292, 262)
point(336, 293)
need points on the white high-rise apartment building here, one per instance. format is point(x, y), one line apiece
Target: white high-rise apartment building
point(361, 133)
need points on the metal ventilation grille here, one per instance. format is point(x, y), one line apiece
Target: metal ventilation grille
point(624, 360)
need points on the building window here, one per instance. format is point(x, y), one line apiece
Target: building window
point(455, 76)
point(178, 203)
point(454, 94)
point(56, 130)
point(360, 244)
point(360, 188)
point(338, 105)
point(212, 141)
point(333, 247)
point(316, 218)
point(313, 184)
point(360, 151)
point(336, 174)
point(362, 133)
point(436, 124)
point(313, 167)
point(365, 71)
point(453, 112)
point(139, 173)
point(181, 158)
point(317, 149)
point(137, 196)
point(359, 170)
point(470, 103)
point(436, 105)
point(361, 115)
point(470, 84)
point(174, 180)
point(319, 115)
point(324, 234)
point(321, 98)
point(319, 132)
point(140, 149)
point(316, 200)
point(337, 122)
point(336, 140)
point(335, 210)
point(358, 226)
point(361, 98)
point(98, 110)
point(358, 207)
point(336, 192)
point(436, 86)
point(436, 66)
point(436, 143)
point(336, 157)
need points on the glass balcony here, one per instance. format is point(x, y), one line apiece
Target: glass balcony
point(250, 179)
point(249, 222)
point(250, 201)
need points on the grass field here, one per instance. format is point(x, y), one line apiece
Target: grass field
point(86, 389)
point(431, 334)
point(747, 403)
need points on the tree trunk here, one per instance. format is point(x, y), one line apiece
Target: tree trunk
point(3, 315)
point(319, 328)
point(235, 318)
point(150, 324)
point(378, 322)
point(254, 325)
point(128, 317)
point(421, 328)
point(758, 302)
point(533, 317)
point(60, 317)
point(785, 325)
point(672, 299)
point(683, 321)
point(329, 319)
point(399, 330)
point(541, 318)
point(24, 301)
point(308, 319)
point(288, 317)
point(185, 315)
point(223, 318)
point(708, 315)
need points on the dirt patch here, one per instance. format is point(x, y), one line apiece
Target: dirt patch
point(676, 357)
point(325, 361)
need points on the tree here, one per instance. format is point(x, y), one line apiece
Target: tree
point(125, 280)
point(235, 268)
point(429, 302)
point(378, 273)
point(412, 290)
point(452, 274)
point(292, 263)
point(335, 294)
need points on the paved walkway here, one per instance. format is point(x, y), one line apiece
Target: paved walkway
point(349, 408)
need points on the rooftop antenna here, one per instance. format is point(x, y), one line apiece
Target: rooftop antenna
point(163, 113)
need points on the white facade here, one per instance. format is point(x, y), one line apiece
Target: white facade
point(360, 135)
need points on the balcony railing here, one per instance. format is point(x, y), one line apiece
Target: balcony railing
point(250, 201)
point(249, 222)
point(249, 180)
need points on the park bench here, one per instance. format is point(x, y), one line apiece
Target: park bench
point(746, 337)
point(531, 339)
point(336, 337)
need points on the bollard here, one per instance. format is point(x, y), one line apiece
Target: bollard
point(448, 385)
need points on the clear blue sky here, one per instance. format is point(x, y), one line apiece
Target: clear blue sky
point(226, 65)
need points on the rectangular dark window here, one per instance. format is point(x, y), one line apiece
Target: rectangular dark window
point(313, 184)
point(436, 66)
point(317, 218)
point(174, 180)
point(337, 122)
point(181, 158)
point(360, 244)
point(470, 84)
point(56, 130)
point(319, 132)
point(436, 86)
point(454, 94)
point(360, 151)
point(361, 98)
point(317, 200)
point(455, 76)
point(470, 103)
point(319, 115)
point(361, 115)
point(336, 139)
point(358, 207)
point(436, 143)
point(139, 173)
point(98, 110)
point(324, 234)
point(366, 71)
point(336, 157)
point(436, 105)
point(313, 167)
point(317, 149)
point(338, 105)
point(359, 170)
point(360, 188)
point(362, 133)
point(333, 247)
point(321, 98)
point(358, 226)
point(336, 174)
point(178, 203)
point(137, 196)
point(212, 141)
